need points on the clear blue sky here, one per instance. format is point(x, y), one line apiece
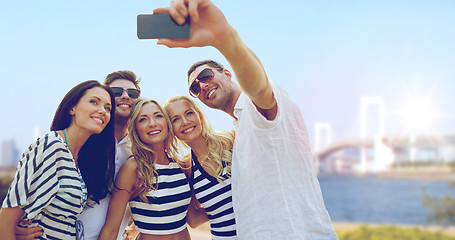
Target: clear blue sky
point(326, 54)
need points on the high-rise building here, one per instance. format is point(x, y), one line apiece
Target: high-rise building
point(9, 153)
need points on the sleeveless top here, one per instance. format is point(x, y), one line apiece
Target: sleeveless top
point(216, 198)
point(166, 211)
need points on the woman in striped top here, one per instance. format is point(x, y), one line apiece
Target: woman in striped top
point(211, 153)
point(151, 180)
point(48, 189)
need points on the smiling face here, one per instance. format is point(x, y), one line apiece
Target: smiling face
point(151, 125)
point(123, 104)
point(185, 120)
point(93, 111)
point(216, 93)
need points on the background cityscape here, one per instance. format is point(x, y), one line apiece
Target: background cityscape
point(373, 79)
point(326, 54)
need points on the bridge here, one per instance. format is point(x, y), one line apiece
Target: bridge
point(384, 153)
point(375, 152)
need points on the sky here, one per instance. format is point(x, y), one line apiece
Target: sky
point(326, 54)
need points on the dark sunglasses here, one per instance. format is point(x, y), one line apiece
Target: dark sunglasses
point(132, 92)
point(205, 76)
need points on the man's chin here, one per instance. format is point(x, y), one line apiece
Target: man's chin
point(208, 103)
point(214, 106)
point(122, 114)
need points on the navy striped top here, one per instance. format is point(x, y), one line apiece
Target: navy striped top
point(216, 198)
point(166, 211)
point(47, 186)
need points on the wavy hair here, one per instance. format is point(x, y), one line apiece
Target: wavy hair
point(219, 143)
point(97, 156)
point(146, 157)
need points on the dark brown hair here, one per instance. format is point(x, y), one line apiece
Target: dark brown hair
point(211, 63)
point(96, 158)
point(124, 74)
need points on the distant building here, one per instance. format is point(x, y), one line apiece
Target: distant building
point(9, 153)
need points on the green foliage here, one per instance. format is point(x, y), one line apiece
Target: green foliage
point(442, 209)
point(391, 233)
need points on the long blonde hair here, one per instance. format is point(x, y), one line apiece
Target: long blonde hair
point(145, 157)
point(219, 143)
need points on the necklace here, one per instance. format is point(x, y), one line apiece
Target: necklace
point(83, 186)
point(66, 140)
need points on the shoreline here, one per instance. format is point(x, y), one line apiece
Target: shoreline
point(432, 174)
point(203, 232)
point(348, 226)
point(446, 174)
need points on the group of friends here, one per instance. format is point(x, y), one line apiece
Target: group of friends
point(112, 156)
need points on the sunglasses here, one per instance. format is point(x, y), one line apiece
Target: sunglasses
point(205, 76)
point(132, 92)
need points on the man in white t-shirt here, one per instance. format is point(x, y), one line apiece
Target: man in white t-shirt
point(276, 193)
point(125, 86)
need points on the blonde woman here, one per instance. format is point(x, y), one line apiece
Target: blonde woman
point(211, 153)
point(150, 180)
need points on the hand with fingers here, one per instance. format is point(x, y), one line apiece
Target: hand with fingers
point(23, 233)
point(209, 26)
point(130, 232)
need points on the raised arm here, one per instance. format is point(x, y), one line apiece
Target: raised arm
point(125, 183)
point(209, 27)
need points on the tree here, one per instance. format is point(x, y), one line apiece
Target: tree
point(442, 208)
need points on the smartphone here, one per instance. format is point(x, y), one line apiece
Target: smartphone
point(160, 25)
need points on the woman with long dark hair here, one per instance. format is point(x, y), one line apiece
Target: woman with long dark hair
point(59, 171)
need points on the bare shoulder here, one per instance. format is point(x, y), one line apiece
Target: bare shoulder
point(127, 176)
point(130, 163)
point(128, 167)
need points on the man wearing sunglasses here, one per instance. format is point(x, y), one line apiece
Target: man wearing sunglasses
point(276, 194)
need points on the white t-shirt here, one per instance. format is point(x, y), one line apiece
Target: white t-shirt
point(95, 216)
point(276, 193)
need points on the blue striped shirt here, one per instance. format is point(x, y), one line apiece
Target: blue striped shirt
point(47, 186)
point(166, 211)
point(216, 198)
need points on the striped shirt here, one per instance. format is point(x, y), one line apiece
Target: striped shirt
point(166, 211)
point(47, 186)
point(216, 198)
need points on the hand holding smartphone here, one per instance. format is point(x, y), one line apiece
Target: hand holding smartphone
point(160, 25)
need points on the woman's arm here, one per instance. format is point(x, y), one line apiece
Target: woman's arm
point(186, 165)
point(195, 215)
point(9, 218)
point(124, 187)
point(34, 196)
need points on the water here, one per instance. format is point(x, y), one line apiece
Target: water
point(376, 200)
